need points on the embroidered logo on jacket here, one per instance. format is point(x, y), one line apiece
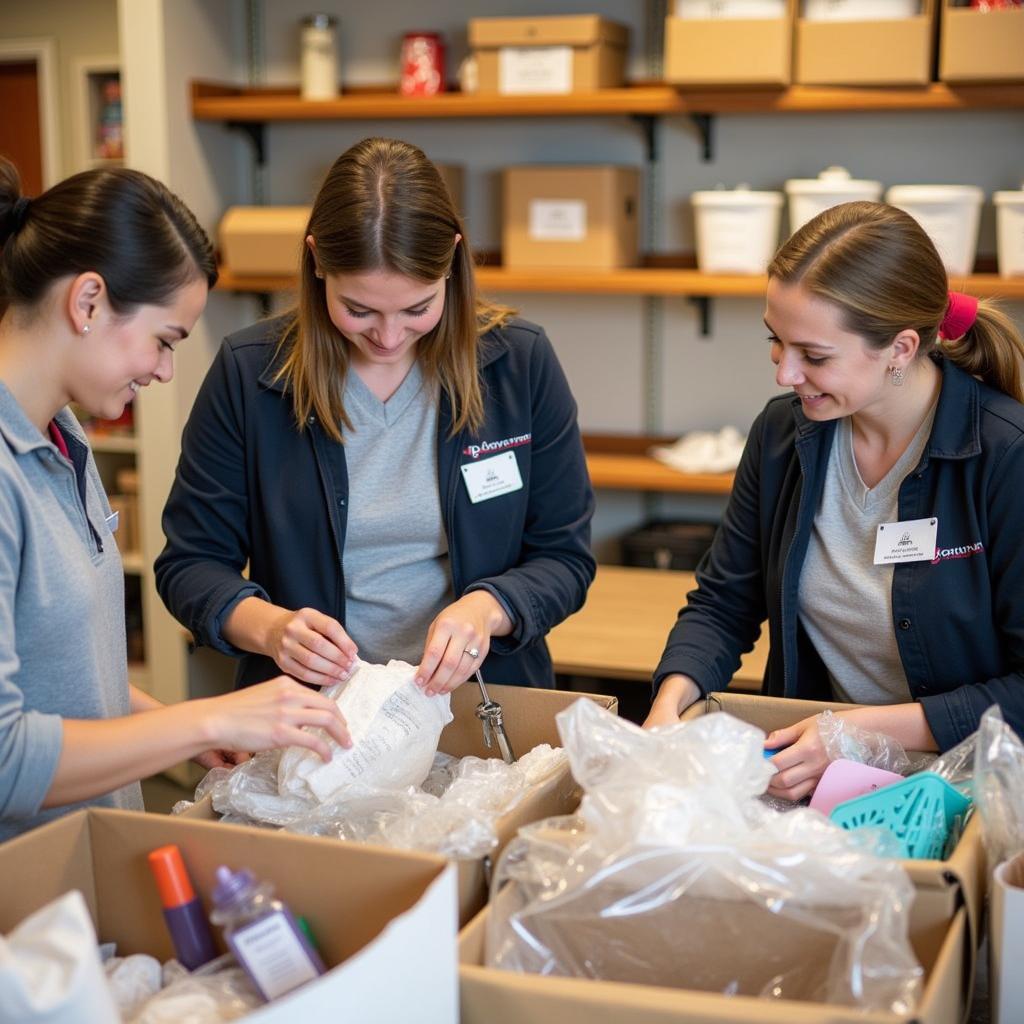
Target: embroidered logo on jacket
point(476, 450)
point(965, 551)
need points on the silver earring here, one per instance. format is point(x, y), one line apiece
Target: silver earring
point(86, 328)
point(897, 376)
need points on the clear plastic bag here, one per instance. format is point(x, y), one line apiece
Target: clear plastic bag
point(842, 738)
point(675, 874)
point(999, 786)
point(202, 997)
point(956, 765)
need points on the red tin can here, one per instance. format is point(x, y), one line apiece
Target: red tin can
point(422, 64)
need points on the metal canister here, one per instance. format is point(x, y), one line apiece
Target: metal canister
point(422, 64)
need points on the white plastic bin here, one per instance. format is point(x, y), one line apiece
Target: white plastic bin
point(860, 10)
point(737, 230)
point(745, 9)
point(1010, 232)
point(950, 214)
point(810, 196)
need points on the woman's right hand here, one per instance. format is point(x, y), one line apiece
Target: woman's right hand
point(311, 646)
point(272, 714)
point(675, 695)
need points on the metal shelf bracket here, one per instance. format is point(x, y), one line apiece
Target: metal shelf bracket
point(649, 124)
point(703, 304)
point(256, 132)
point(705, 125)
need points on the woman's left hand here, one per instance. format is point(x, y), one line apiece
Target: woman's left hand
point(801, 759)
point(458, 641)
point(220, 758)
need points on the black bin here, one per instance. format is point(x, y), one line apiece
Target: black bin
point(667, 545)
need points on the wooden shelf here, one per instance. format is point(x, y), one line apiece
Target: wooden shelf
point(628, 281)
point(620, 472)
point(116, 443)
point(213, 101)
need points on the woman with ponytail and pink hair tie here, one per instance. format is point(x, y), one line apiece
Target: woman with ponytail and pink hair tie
point(875, 518)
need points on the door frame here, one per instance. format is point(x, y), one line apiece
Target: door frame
point(43, 50)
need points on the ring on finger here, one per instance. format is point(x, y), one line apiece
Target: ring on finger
point(473, 652)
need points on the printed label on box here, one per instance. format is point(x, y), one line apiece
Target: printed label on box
point(557, 220)
point(544, 69)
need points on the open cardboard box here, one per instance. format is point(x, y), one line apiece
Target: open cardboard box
point(981, 46)
point(897, 51)
point(374, 912)
point(529, 721)
point(962, 879)
point(490, 996)
point(730, 51)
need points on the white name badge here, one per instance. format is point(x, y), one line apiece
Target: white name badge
point(911, 541)
point(491, 477)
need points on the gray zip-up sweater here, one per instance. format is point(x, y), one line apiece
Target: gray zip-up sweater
point(62, 637)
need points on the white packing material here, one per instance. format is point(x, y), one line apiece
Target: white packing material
point(50, 968)
point(395, 728)
point(133, 980)
point(703, 451)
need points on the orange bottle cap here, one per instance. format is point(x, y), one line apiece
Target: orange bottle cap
point(172, 879)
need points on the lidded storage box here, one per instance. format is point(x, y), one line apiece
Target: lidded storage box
point(730, 42)
point(833, 186)
point(950, 214)
point(737, 230)
point(1010, 232)
point(263, 239)
point(573, 218)
point(556, 55)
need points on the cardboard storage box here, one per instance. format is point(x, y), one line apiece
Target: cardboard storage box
point(491, 996)
point(377, 915)
point(729, 51)
point(897, 51)
point(573, 218)
point(554, 54)
point(529, 721)
point(258, 240)
point(961, 879)
point(981, 46)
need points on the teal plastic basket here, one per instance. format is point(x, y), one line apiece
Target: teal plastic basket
point(919, 812)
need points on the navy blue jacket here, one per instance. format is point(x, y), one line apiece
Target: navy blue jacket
point(958, 620)
point(250, 487)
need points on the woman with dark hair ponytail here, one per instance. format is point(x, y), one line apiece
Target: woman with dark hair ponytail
point(875, 518)
point(101, 278)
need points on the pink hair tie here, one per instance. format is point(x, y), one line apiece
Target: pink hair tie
point(961, 313)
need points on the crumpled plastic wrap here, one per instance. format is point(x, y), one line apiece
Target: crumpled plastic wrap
point(453, 814)
point(395, 728)
point(217, 991)
point(133, 981)
point(675, 874)
point(703, 451)
point(956, 765)
point(999, 786)
point(843, 738)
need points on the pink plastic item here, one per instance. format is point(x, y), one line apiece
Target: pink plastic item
point(843, 780)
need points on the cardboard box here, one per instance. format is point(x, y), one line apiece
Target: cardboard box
point(961, 879)
point(729, 51)
point(1006, 941)
point(897, 51)
point(491, 996)
point(981, 46)
point(257, 240)
point(529, 722)
point(376, 914)
point(579, 218)
point(548, 55)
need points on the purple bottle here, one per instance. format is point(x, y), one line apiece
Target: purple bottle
point(263, 934)
point(186, 921)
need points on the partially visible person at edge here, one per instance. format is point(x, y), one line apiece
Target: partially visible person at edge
point(906, 413)
point(101, 278)
point(397, 461)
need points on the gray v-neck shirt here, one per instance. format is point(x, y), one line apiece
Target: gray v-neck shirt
point(845, 599)
point(397, 575)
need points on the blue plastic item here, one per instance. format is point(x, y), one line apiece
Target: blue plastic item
point(771, 751)
point(919, 812)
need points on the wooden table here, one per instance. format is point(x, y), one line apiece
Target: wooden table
point(620, 632)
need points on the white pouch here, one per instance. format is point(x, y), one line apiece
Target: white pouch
point(395, 728)
point(50, 968)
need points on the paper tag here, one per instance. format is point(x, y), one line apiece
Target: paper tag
point(910, 541)
point(557, 220)
point(491, 477)
point(113, 521)
point(543, 69)
point(273, 955)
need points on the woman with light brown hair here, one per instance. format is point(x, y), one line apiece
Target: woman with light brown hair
point(397, 460)
point(875, 518)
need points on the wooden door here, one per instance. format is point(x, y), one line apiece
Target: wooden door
point(20, 135)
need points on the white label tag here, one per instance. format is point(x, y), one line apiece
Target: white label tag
point(910, 541)
point(557, 220)
point(543, 69)
point(491, 477)
point(273, 954)
point(113, 521)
